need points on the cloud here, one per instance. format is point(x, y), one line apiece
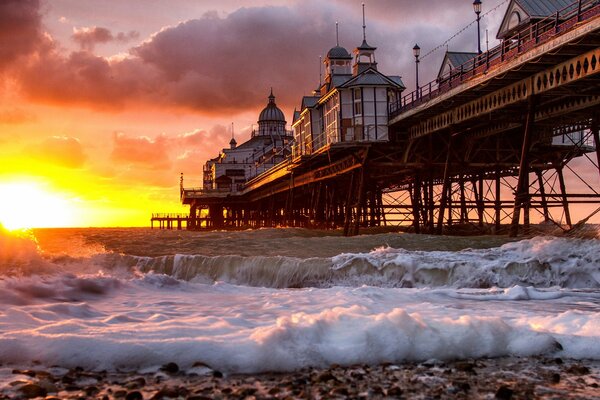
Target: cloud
point(60, 150)
point(15, 116)
point(20, 30)
point(226, 64)
point(88, 37)
point(141, 151)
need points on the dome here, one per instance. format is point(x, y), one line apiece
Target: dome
point(338, 52)
point(271, 112)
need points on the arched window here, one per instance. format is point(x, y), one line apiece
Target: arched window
point(515, 19)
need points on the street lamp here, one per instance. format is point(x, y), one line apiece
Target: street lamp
point(417, 53)
point(477, 9)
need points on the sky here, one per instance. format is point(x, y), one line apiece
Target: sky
point(103, 103)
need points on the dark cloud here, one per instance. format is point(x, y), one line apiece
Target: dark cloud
point(88, 37)
point(216, 65)
point(20, 29)
point(60, 150)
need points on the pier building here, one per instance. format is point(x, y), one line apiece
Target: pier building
point(269, 145)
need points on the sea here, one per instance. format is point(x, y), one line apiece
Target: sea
point(285, 299)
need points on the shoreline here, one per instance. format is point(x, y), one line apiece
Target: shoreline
point(502, 378)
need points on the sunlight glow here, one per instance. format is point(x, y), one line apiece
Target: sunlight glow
point(29, 205)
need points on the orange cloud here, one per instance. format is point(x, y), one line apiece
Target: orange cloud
point(141, 151)
point(60, 150)
point(15, 116)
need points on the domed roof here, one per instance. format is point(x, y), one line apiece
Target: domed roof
point(271, 112)
point(338, 52)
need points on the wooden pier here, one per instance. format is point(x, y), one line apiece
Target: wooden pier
point(486, 148)
point(170, 221)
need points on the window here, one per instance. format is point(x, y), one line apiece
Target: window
point(358, 101)
point(515, 20)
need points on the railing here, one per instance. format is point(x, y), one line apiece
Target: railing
point(524, 40)
point(169, 216)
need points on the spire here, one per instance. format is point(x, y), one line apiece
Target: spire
point(364, 24)
point(271, 97)
point(337, 34)
point(320, 71)
point(232, 142)
point(364, 51)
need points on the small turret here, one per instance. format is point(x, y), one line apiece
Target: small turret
point(364, 55)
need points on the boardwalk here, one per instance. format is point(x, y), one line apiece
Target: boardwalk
point(485, 146)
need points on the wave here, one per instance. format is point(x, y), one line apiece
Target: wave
point(539, 262)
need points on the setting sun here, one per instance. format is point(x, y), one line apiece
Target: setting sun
point(29, 205)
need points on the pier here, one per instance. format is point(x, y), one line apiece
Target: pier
point(486, 146)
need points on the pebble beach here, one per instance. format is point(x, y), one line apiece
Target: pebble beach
point(502, 378)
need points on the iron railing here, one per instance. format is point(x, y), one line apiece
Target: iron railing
point(510, 48)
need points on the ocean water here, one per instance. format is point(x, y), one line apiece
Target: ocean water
point(284, 299)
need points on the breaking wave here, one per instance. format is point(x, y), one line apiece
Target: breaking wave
point(540, 262)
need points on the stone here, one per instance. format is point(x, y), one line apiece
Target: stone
point(24, 372)
point(340, 391)
point(217, 374)
point(273, 391)
point(394, 391)
point(325, 377)
point(170, 368)
point(504, 393)
point(91, 390)
point(464, 366)
point(135, 395)
point(166, 392)
point(136, 383)
point(578, 369)
point(32, 390)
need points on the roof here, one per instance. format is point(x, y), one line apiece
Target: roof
point(309, 101)
point(371, 77)
point(456, 59)
point(533, 10)
point(338, 80)
point(271, 112)
point(543, 8)
point(338, 52)
point(398, 80)
point(365, 46)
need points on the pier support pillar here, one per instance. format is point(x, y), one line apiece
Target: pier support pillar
point(596, 134)
point(522, 193)
point(445, 186)
point(563, 193)
point(543, 198)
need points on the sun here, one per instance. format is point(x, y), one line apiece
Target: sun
point(30, 205)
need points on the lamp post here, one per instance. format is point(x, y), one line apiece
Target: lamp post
point(477, 9)
point(417, 53)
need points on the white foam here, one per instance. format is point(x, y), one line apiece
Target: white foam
point(145, 323)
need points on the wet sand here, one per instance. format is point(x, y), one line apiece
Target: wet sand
point(503, 378)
